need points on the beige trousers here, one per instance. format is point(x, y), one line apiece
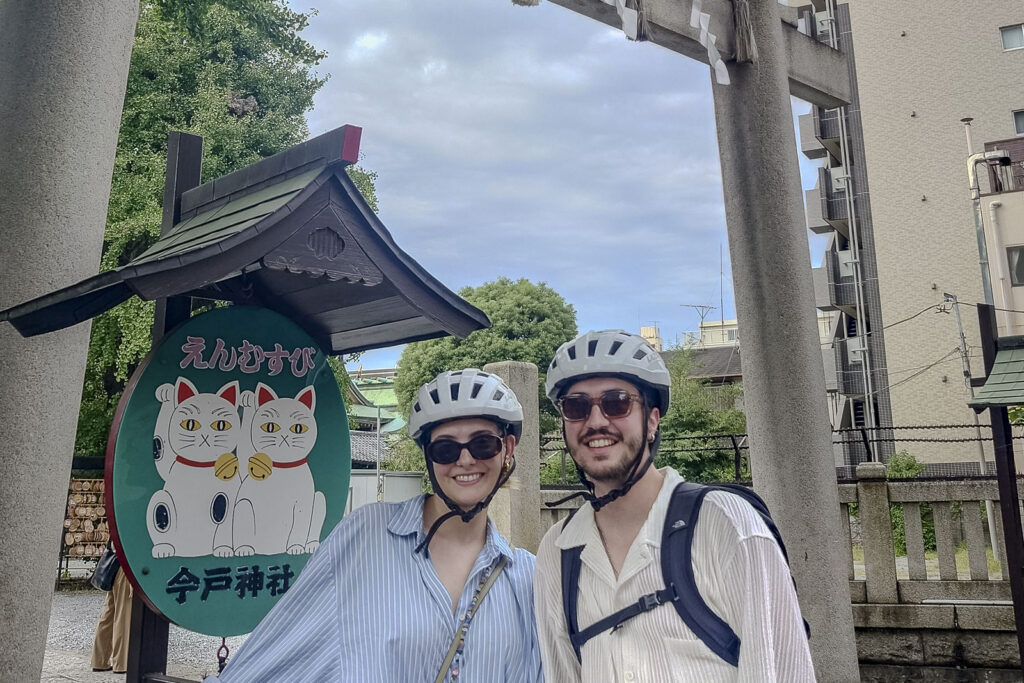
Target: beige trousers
point(110, 648)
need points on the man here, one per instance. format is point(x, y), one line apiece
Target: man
point(612, 388)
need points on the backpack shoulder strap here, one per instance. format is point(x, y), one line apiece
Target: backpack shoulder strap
point(677, 572)
point(571, 564)
point(761, 507)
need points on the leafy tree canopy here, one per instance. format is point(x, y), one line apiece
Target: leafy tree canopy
point(529, 321)
point(698, 409)
point(239, 74)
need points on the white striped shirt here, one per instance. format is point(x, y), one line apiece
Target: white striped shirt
point(368, 608)
point(739, 570)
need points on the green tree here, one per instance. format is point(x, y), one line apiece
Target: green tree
point(236, 72)
point(698, 409)
point(529, 321)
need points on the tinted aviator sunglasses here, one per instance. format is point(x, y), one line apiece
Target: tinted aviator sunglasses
point(448, 451)
point(614, 404)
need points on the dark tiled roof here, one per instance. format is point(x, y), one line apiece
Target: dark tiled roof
point(291, 233)
point(364, 447)
point(714, 362)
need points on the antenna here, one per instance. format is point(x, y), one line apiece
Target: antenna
point(702, 311)
point(721, 282)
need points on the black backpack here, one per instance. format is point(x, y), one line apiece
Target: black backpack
point(676, 570)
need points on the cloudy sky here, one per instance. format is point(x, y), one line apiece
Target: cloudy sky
point(533, 142)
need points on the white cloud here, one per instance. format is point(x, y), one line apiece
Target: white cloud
point(366, 44)
point(533, 142)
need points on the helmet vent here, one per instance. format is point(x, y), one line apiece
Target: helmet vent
point(591, 347)
point(572, 352)
point(434, 397)
point(498, 395)
point(416, 407)
point(640, 353)
point(476, 389)
point(614, 348)
point(454, 391)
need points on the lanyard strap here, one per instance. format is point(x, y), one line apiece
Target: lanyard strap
point(460, 634)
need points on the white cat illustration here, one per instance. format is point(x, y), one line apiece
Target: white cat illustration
point(193, 448)
point(278, 508)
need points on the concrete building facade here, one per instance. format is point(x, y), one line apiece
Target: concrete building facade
point(919, 70)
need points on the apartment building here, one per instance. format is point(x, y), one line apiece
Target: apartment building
point(893, 195)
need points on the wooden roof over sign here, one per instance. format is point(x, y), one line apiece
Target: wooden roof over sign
point(1004, 385)
point(291, 233)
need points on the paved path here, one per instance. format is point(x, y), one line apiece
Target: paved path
point(69, 643)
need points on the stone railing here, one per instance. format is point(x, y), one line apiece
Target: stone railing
point(917, 610)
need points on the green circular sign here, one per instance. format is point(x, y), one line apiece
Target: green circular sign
point(229, 462)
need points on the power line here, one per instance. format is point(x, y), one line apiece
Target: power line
point(938, 309)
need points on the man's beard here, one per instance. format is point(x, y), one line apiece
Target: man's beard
point(614, 473)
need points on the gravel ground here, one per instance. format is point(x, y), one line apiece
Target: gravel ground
point(72, 627)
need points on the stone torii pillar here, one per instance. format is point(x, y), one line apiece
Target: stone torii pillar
point(63, 71)
point(783, 379)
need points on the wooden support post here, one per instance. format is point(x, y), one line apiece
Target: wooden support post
point(1006, 473)
point(147, 643)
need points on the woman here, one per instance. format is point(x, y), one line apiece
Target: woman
point(422, 590)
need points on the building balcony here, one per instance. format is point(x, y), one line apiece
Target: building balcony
point(833, 202)
point(849, 376)
point(828, 361)
point(839, 278)
point(810, 146)
point(816, 222)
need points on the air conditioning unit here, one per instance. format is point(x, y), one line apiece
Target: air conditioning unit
point(845, 262)
point(838, 177)
point(855, 347)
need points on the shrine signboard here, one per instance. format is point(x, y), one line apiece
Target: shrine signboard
point(228, 463)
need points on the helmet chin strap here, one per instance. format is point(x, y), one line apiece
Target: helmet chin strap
point(453, 507)
point(636, 472)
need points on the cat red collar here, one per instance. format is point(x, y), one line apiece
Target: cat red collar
point(286, 465)
point(277, 465)
point(193, 463)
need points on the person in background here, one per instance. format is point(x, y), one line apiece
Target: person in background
point(110, 646)
point(424, 590)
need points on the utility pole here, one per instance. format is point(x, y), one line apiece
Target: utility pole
point(951, 298)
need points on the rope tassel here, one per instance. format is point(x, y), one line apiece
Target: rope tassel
point(746, 48)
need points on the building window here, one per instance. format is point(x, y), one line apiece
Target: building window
point(1015, 255)
point(1013, 37)
point(1018, 121)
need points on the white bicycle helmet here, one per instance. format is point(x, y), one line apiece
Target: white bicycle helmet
point(464, 393)
point(609, 352)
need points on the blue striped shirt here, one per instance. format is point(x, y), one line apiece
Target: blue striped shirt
point(368, 608)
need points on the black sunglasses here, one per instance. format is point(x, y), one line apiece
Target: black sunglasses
point(614, 403)
point(448, 451)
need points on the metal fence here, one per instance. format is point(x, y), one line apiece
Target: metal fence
point(864, 443)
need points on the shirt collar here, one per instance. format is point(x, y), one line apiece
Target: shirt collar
point(582, 528)
point(408, 521)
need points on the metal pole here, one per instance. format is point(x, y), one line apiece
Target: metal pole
point(989, 510)
point(791, 451)
point(1006, 471)
point(380, 480)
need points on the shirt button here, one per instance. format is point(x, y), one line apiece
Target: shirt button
point(630, 676)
